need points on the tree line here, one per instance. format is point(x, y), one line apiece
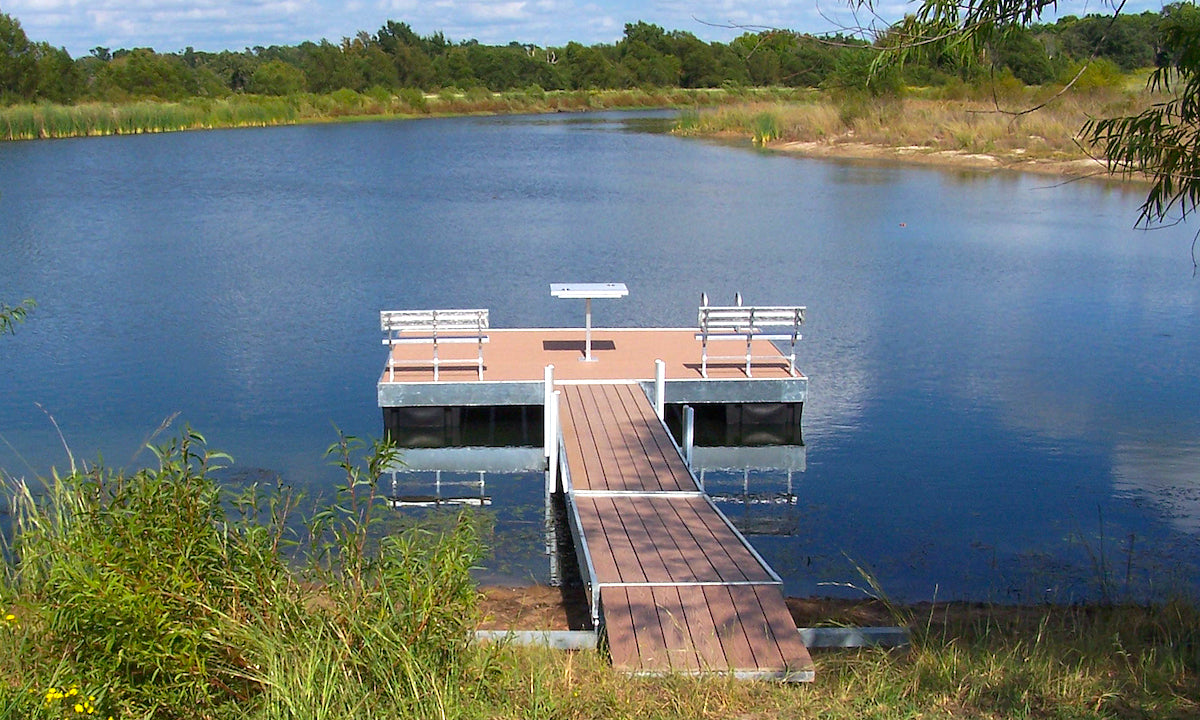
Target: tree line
point(395, 58)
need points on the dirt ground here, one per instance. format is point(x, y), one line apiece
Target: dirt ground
point(546, 608)
point(1014, 160)
point(533, 608)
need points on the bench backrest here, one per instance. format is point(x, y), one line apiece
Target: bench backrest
point(749, 318)
point(433, 321)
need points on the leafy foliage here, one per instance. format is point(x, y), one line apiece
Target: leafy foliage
point(13, 315)
point(646, 56)
point(159, 593)
point(1163, 141)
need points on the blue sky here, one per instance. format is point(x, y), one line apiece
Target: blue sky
point(171, 25)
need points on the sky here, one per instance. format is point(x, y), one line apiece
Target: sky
point(214, 25)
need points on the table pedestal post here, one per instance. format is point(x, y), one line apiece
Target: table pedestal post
point(587, 335)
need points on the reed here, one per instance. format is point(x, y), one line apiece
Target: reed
point(992, 125)
point(30, 122)
point(139, 594)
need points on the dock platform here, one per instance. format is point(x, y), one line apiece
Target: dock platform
point(515, 360)
point(673, 586)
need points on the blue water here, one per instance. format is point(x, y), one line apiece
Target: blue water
point(1004, 394)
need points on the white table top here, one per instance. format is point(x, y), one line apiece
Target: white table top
point(588, 290)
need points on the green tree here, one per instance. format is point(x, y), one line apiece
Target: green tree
point(759, 54)
point(593, 67)
point(143, 73)
point(275, 77)
point(1021, 53)
point(18, 75)
point(328, 68)
point(646, 54)
point(59, 79)
point(1127, 40)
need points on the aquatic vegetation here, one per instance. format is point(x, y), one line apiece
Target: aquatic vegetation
point(47, 120)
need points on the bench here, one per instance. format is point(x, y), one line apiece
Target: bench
point(747, 323)
point(434, 327)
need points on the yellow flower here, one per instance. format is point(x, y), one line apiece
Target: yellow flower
point(78, 708)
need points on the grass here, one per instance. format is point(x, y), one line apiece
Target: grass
point(29, 122)
point(158, 594)
point(960, 120)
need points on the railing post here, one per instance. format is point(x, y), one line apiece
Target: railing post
point(549, 391)
point(689, 433)
point(552, 460)
point(660, 388)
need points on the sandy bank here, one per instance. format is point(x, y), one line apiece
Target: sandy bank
point(919, 155)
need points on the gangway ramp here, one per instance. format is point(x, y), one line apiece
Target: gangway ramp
point(672, 583)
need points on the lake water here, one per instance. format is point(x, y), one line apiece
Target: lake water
point(1004, 399)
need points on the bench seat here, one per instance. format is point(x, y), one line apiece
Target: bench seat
point(747, 323)
point(434, 327)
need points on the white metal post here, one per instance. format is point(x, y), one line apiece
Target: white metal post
point(660, 388)
point(587, 334)
point(552, 465)
point(689, 433)
point(546, 410)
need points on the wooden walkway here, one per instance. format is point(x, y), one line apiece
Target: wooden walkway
point(675, 587)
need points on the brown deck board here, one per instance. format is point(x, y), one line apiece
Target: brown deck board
point(727, 627)
point(670, 471)
point(604, 559)
point(632, 473)
point(782, 627)
point(757, 627)
point(629, 568)
point(606, 471)
point(702, 633)
point(652, 645)
point(733, 562)
point(650, 550)
point(621, 354)
point(645, 546)
point(681, 651)
point(590, 442)
point(683, 561)
point(680, 556)
point(619, 629)
point(574, 444)
point(639, 468)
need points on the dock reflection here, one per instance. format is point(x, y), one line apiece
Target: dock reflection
point(490, 459)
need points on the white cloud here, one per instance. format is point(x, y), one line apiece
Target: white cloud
point(169, 25)
point(493, 11)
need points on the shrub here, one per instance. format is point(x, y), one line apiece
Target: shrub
point(164, 595)
point(415, 99)
point(1097, 74)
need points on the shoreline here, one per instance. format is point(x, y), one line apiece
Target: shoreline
point(542, 608)
point(924, 156)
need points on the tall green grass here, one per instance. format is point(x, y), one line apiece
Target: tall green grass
point(155, 594)
point(29, 122)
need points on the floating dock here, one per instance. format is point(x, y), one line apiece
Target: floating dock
point(673, 586)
